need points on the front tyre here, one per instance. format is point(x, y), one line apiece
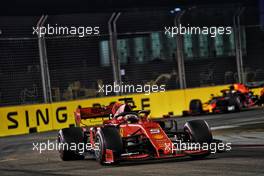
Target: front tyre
point(199, 132)
point(108, 138)
point(66, 137)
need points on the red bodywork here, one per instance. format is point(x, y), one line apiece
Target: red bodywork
point(144, 127)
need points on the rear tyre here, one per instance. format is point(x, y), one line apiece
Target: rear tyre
point(68, 136)
point(235, 100)
point(108, 138)
point(261, 100)
point(196, 107)
point(199, 132)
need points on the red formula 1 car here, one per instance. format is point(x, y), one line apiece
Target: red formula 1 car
point(236, 98)
point(131, 135)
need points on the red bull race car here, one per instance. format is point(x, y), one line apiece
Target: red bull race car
point(262, 96)
point(234, 99)
point(132, 135)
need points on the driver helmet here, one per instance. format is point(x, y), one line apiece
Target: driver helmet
point(119, 108)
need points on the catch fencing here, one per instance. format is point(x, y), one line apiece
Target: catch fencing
point(131, 48)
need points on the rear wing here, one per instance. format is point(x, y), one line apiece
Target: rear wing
point(98, 112)
point(92, 113)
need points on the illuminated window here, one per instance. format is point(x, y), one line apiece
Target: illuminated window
point(155, 45)
point(104, 53)
point(139, 49)
point(203, 45)
point(122, 51)
point(219, 45)
point(188, 47)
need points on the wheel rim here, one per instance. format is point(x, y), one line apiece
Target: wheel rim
point(190, 135)
point(98, 151)
point(60, 148)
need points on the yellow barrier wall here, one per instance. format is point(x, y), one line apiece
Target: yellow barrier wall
point(45, 117)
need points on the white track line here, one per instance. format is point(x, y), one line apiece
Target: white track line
point(224, 127)
point(11, 159)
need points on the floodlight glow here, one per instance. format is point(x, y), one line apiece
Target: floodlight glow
point(177, 9)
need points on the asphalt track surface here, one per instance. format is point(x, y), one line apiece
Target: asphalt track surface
point(245, 130)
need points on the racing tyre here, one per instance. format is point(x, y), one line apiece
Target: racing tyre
point(261, 100)
point(235, 100)
point(108, 138)
point(196, 107)
point(68, 136)
point(199, 132)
